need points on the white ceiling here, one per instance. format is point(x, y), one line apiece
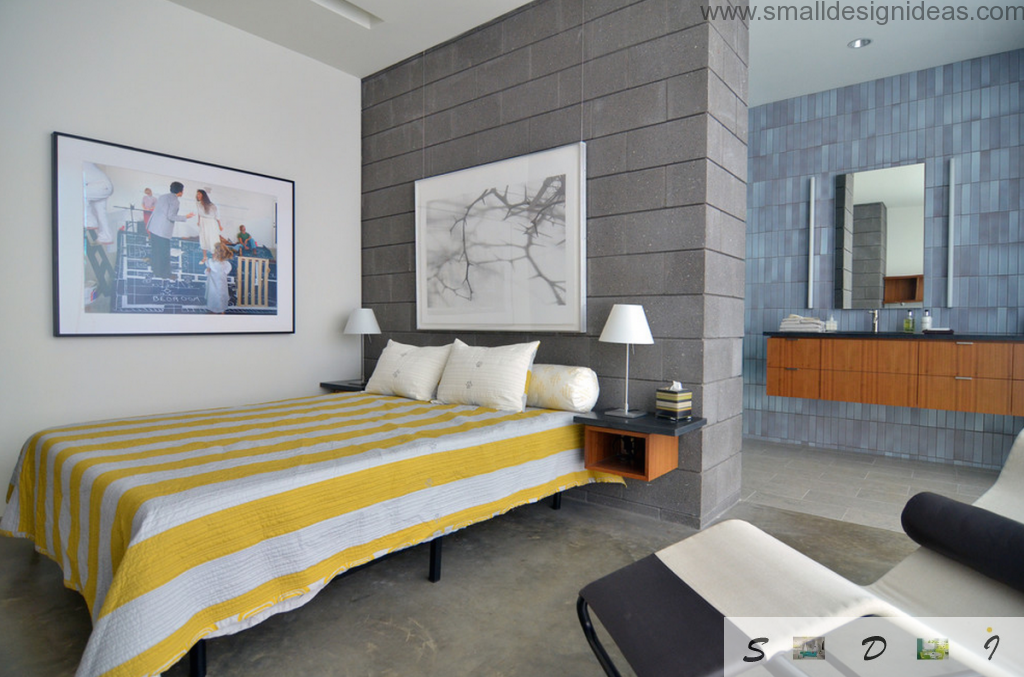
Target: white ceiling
point(787, 58)
point(406, 27)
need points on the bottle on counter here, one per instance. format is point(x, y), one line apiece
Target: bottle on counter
point(908, 322)
point(831, 324)
point(926, 321)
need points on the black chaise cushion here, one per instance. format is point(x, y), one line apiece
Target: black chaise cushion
point(661, 625)
point(987, 542)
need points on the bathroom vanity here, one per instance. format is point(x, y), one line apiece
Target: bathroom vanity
point(963, 372)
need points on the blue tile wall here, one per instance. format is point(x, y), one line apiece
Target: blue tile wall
point(970, 111)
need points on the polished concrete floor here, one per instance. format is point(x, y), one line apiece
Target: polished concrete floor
point(506, 603)
point(849, 487)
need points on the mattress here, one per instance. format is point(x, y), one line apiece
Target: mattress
point(180, 527)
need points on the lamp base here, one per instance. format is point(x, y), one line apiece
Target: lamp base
point(622, 413)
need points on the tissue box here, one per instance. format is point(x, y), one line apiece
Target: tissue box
point(676, 405)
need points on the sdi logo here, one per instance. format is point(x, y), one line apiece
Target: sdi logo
point(874, 647)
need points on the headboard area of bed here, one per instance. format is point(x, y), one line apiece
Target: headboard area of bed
point(503, 377)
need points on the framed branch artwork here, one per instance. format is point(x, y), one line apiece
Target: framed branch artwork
point(502, 246)
point(148, 243)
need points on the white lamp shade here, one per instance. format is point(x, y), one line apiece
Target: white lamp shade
point(626, 324)
point(362, 321)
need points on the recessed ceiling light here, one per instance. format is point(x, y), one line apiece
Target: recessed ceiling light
point(858, 43)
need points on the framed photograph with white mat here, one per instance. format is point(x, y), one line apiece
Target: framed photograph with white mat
point(502, 246)
point(150, 243)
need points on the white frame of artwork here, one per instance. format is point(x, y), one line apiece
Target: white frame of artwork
point(527, 270)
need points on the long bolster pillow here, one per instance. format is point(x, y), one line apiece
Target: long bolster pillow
point(985, 541)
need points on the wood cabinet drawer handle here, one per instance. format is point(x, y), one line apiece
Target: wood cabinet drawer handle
point(963, 378)
point(792, 368)
point(965, 343)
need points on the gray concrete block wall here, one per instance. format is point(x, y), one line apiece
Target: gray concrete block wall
point(870, 229)
point(659, 96)
point(843, 263)
point(968, 110)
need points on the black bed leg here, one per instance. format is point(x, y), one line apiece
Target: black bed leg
point(197, 659)
point(556, 501)
point(435, 560)
point(595, 644)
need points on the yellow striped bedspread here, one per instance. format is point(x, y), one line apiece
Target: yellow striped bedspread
point(185, 526)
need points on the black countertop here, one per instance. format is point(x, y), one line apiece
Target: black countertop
point(648, 423)
point(896, 335)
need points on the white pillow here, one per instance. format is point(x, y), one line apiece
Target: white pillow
point(487, 377)
point(408, 371)
point(555, 386)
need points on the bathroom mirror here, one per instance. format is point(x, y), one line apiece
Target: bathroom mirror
point(880, 238)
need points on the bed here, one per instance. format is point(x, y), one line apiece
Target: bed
point(181, 527)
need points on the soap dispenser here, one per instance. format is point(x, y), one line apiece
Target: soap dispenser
point(926, 321)
point(831, 324)
point(908, 322)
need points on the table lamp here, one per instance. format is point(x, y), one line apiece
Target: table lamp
point(626, 324)
point(362, 322)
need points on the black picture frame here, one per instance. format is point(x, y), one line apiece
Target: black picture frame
point(113, 276)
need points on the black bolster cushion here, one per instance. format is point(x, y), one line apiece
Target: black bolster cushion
point(987, 542)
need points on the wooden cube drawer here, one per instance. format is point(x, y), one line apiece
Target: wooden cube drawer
point(641, 456)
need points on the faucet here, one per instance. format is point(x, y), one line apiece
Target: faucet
point(874, 320)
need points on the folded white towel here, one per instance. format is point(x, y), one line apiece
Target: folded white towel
point(811, 328)
point(801, 318)
point(801, 323)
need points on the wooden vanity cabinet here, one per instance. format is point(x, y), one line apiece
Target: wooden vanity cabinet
point(845, 369)
point(966, 376)
point(973, 376)
point(1017, 384)
point(894, 375)
point(794, 367)
point(871, 371)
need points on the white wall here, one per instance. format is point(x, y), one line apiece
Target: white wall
point(904, 246)
point(155, 76)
